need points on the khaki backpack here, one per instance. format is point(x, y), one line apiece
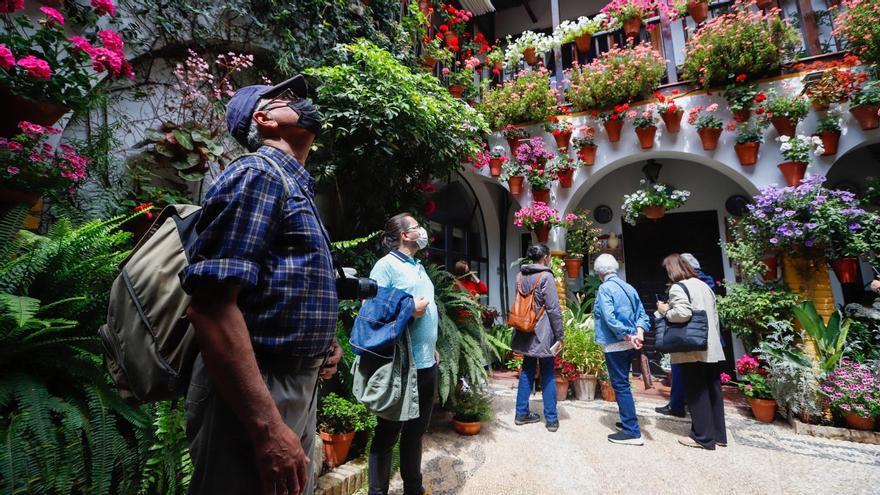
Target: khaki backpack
point(523, 315)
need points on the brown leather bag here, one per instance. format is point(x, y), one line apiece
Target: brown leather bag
point(523, 315)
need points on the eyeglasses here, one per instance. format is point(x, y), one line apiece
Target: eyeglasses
point(287, 97)
point(416, 226)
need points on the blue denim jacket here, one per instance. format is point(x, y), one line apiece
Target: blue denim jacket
point(618, 311)
point(381, 321)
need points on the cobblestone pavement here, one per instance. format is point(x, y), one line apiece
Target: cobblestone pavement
point(578, 459)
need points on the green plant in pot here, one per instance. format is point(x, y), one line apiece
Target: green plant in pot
point(581, 239)
point(470, 409)
point(741, 98)
point(338, 420)
point(582, 351)
point(749, 309)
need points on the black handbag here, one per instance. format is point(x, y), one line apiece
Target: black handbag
point(692, 335)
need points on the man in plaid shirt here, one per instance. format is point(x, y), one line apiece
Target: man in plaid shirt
point(263, 304)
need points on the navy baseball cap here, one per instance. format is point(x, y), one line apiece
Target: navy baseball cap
point(240, 109)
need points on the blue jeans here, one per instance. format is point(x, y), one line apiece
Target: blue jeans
point(548, 386)
point(676, 394)
point(618, 371)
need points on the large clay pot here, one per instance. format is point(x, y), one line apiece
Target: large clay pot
point(632, 27)
point(587, 154)
point(608, 393)
point(763, 409)
point(542, 232)
point(741, 115)
point(585, 387)
point(561, 388)
point(467, 428)
point(857, 422)
point(747, 152)
point(10, 199)
point(514, 144)
point(530, 56)
point(793, 172)
point(772, 263)
point(846, 269)
point(565, 177)
point(784, 126)
point(672, 120)
point(456, 90)
point(699, 11)
point(562, 139)
point(807, 276)
point(18, 108)
point(654, 212)
point(542, 195)
point(495, 166)
point(646, 136)
point(573, 267)
point(709, 137)
point(515, 183)
point(613, 128)
point(336, 448)
point(428, 62)
point(765, 4)
point(425, 7)
point(866, 115)
point(583, 43)
point(830, 140)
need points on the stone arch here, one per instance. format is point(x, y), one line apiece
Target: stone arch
point(852, 166)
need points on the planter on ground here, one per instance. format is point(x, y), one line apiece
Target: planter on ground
point(784, 126)
point(587, 154)
point(646, 136)
point(866, 115)
point(747, 153)
point(830, 140)
point(336, 448)
point(515, 183)
point(672, 120)
point(585, 387)
point(613, 128)
point(793, 171)
point(608, 393)
point(561, 388)
point(764, 410)
point(467, 428)
point(846, 269)
point(859, 422)
point(709, 137)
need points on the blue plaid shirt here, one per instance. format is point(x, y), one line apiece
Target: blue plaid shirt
point(275, 251)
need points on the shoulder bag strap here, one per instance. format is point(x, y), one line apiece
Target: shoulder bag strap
point(686, 291)
point(625, 293)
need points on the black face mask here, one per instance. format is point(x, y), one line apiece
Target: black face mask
point(309, 118)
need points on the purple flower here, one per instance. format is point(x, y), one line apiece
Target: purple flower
point(774, 241)
point(809, 243)
point(854, 227)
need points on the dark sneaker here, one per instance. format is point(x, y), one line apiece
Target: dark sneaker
point(527, 419)
point(669, 412)
point(618, 425)
point(552, 426)
point(624, 439)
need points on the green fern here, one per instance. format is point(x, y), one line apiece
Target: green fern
point(10, 223)
point(168, 469)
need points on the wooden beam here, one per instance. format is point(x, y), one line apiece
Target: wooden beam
point(525, 3)
point(809, 28)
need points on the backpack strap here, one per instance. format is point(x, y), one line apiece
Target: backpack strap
point(519, 285)
point(274, 165)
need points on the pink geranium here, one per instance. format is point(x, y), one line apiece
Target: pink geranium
point(104, 7)
point(111, 40)
point(52, 15)
point(537, 214)
point(7, 59)
point(34, 165)
point(35, 67)
point(83, 45)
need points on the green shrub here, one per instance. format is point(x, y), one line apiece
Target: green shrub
point(748, 310)
point(338, 416)
point(527, 98)
point(617, 76)
point(472, 405)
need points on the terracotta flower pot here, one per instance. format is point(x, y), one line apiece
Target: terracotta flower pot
point(646, 136)
point(866, 115)
point(11, 198)
point(613, 128)
point(857, 422)
point(632, 27)
point(573, 266)
point(499, 66)
point(541, 195)
point(764, 410)
point(784, 126)
point(772, 263)
point(336, 448)
point(495, 165)
point(709, 136)
point(587, 154)
point(830, 140)
point(456, 90)
point(765, 4)
point(672, 120)
point(428, 62)
point(654, 212)
point(561, 388)
point(846, 269)
point(515, 183)
point(793, 172)
point(747, 152)
point(514, 144)
point(467, 428)
point(608, 393)
point(819, 106)
point(542, 232)
point(562, 139)
point(699, 12)
point(582, 43)
point(425, 7)
point(565, 177)
point(741, 115)
point(18, 108)
point(530, 56)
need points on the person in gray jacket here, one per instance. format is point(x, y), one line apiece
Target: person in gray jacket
point(536, 347)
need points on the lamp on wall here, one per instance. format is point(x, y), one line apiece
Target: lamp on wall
point(652, 170)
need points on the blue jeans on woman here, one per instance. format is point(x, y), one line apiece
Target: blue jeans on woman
point(618, 371)
point(548, 386)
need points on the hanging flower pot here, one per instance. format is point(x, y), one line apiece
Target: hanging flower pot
point(583, 43)
point(765, 4)
point(747, 152)
point(646, 136)
point(830, 140)
point(866, 115)
point(425, 7)
point(632, 27)
point(785, 126)
point(19, 108)
point(698, 11)
point(456, 90)
point(587, 154)
point(846, 269)
point(742, 115)
point(541, 195)
point(819, 106)
point(428, 62)
point(514, 144)
point(613, 128)
point(764, 410)
point(772, 263)
point(499, 66)
point(672, 120)
point(562, 138)
point(573, 266)
point(793, 172)
point(542, 232)
point(495, 165)
point(857, 422)
point(336, 448)
point(709, 136)
point(515, 183)
point(561, 388)
point(530, 56)
point(654, 212)
point(565, 177)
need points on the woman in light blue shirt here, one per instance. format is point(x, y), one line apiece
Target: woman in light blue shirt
point(404, 237)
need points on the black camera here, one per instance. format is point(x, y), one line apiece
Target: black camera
point(354, 287)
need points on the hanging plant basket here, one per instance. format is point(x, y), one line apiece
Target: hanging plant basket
point(613, 128)
point(846, 269)
point(793, 172)
point(495, 165)
point(709, 137)
point(540, 195)
point(542, 232)
point(562, 139)
point(582, 43)
point(654, 212)
point(646, 136)
point(530, 56)
point(573, 266)
point(784, 126)
point(765, 4)
point(587, 154)
point(632, 27)
point(428, 62)
point(747, 153)
point(830, 141)
point(741, 115)
point(672, 120)
point(566, 177)
point(18, 108)
point(866, 115)
point(456, 90)
point(699, 12)
point(513, 143)
point(515, 183)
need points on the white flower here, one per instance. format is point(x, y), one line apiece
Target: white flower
point(820, 149)
point(785, 147)
point(783, 138)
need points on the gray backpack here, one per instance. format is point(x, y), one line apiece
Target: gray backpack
point(149, 345)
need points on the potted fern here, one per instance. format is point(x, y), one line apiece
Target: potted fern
point(338, 421)
point(470, 408)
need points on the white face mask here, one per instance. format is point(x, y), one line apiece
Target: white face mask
point(422, 240)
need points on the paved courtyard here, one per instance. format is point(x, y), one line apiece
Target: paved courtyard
point(578, 459)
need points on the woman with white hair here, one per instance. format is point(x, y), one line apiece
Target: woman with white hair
point(620, 321)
